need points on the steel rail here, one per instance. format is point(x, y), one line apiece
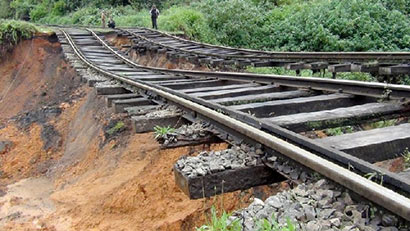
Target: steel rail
point(390, 200)
point(377, 90)
point(283, 55)
point(330, 153)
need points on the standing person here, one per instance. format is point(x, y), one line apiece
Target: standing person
point(111, 23)
point(154, 15)
point(103, 18)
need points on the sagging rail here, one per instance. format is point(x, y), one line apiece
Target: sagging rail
point(100, 57)
point(376, 63)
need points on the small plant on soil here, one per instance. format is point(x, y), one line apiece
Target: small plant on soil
point(119, 126)
point(162, 132)
point(383, 123)
point(339, 131)
point(221, 223)
point(272, 225)
point(406, 158)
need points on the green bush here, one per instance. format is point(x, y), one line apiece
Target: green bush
point(137, 19)
point(11, 32)
point(400, 5)
point(5, 9)
point(235, 22)
point(316, 25)
point(345, 25)
point(22, 8)
point(59, 8)
point(299, 25)
point(40, 11)
point(188, 20)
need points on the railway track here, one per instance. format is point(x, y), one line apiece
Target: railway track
point(276, 112)
point(376, 63)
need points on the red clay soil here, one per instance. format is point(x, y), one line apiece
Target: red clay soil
point(34, 74)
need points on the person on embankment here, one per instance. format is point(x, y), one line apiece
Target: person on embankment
point(154, 15)
point(111, 23)
point(103, 19)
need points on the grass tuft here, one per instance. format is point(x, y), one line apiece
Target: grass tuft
point(162, 132)
point(223, 223)
point(12, 31)
point(119, 126)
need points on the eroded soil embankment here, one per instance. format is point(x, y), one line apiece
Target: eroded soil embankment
point(59, 171)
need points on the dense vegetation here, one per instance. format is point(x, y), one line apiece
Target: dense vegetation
point(11, 32)
point(308, 25)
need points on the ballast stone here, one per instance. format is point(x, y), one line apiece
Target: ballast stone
point(300, 205)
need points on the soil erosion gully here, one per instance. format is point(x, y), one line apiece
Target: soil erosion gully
point(281, 113)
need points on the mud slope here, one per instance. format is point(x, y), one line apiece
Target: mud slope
point(60, 170)
point(34, 74)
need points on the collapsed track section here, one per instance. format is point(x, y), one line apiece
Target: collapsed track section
point(376, 63)
point(270, 109)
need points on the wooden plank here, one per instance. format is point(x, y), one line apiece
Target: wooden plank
point(110, 98)
point(236, 92)
point(395, 70)
point(172, 43)
point(195, 84)
point(337, 117)
point(316, 65)
point(192, 47)
point(217, 62)
point(136, 73)
point(373, 145)
point(95, 51)
point(218, 88)
point(367, 67)
point(176, 81)
point(90, 56)
point(141, 110)
point(183, 45)
point(120, 104)
point(153, 77)
point(83, 43)
point(143, 123)
point(269, 64)
point(93, 48)
point(205, 60)
point(225, 181)
point(121, 68)
point(262, 97)
point(155, 36)
point(106, 60)
point(160, 38)
point(295, 66)
point(298, 105)
point(110, 89)
point(243, 63)
point(346, 67)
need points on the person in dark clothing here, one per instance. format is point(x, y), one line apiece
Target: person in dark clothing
point(111, 23)
point(154, 15)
